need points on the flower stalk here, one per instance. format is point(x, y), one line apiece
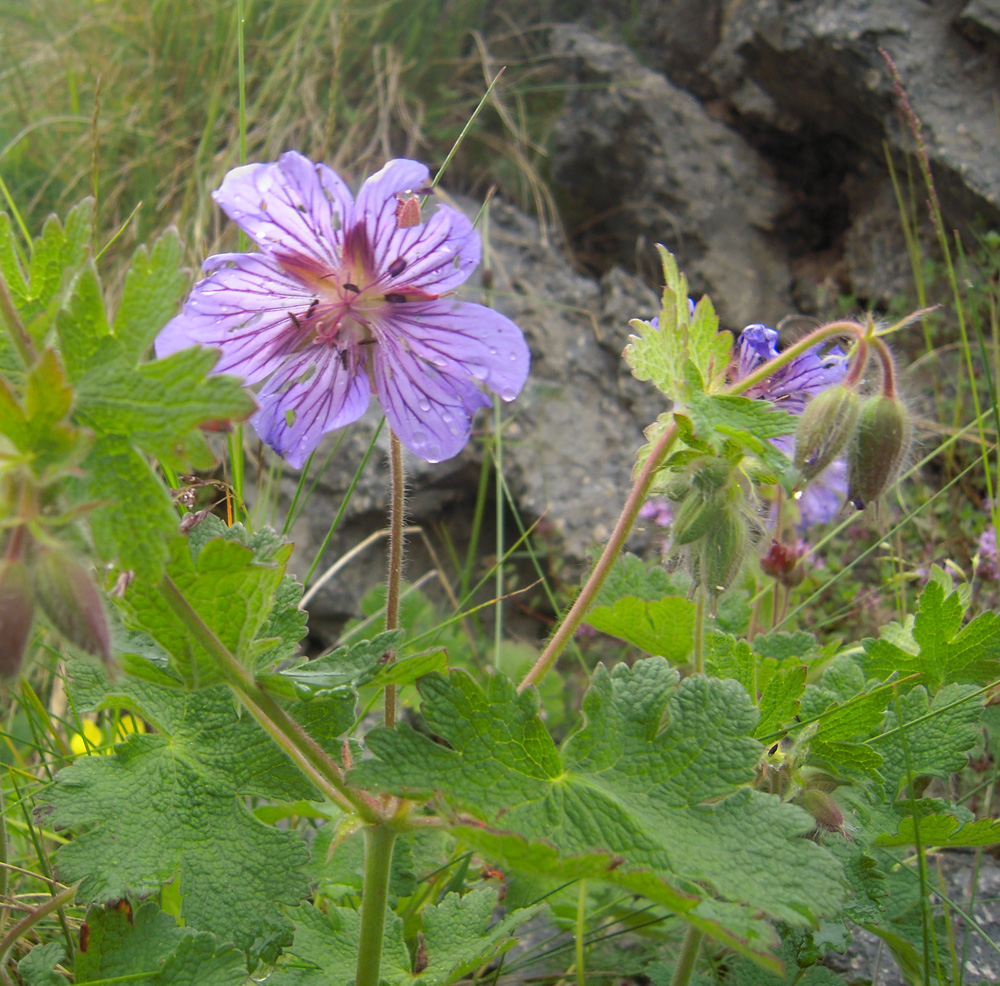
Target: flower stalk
point(379, 842)
point(397, 508)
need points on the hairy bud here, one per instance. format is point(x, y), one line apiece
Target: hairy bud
point(823, 808)
point(825, 425)
point(17, 610)
point(70, 599)
point(722, 553)
point(877, 449)
point(782, 563)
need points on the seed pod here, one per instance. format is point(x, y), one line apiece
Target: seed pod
point(17, 609)
point(824, 427)
point(877, 449)
point(69, 598)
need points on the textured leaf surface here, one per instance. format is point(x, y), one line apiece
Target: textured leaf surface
point(171, 804)
point(150, 946)
point(650, 785)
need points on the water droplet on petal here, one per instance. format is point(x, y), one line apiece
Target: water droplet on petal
point(513, 357)
point(508, 394)
point(494, 351)
point(479, 372)
point(424, 405)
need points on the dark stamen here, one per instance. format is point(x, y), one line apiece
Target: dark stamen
point(313, 305)
point(352, 287)
point(396, 267)
point(298, 324)
point(395, 299)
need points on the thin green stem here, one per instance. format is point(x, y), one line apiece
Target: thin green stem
point(699, 631)
point(297, 744)
point(466, 128)
point(28, 922)
point(397, 508)
point(379, 840)
point(581, 928)
point(690, 948)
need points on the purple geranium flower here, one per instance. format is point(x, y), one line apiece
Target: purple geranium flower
point(348, 298)
point(792, 387)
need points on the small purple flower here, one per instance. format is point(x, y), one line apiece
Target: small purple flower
point(792, 387)
point(987, 564)
point(348, 298)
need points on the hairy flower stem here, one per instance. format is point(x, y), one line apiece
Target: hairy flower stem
point(26, 923)
point(397, 508)
point(609, 556)
point(23, 342)
point(379, 840)
point(640, 489)
point(888, 368)
point(841, 327)
point(690, 948)
point(699, 631)
point(297, 744)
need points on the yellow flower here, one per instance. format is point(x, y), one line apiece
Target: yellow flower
point(95, 739)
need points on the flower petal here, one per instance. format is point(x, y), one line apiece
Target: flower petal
point(314, 392)
point(429, 408)
point(435, 256)
point(245, 307)
point(292, 208)
point(461, 339)
point(823, 498)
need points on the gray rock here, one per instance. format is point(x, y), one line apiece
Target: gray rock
point(643, 162)
point(820, 60)
point(980, 22)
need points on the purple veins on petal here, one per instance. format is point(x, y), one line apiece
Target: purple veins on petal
point(314, 392)
point(344, 298)
point(291, 208)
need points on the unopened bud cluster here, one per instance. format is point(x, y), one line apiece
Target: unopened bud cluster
point(875, 431)
point(713, 523)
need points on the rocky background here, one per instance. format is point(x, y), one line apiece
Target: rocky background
point(748, 136)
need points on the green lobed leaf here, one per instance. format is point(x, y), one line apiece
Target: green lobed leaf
point(661, 627)
point(58, 249)
point(943, 832)
point(149, 945)
point(938, 646)
point(779, 702)
point(81, 323)
point(171, 805)
point(652, 781)
point(38, 967)
point(154, 286)
point(939, 734)
point(631, 576)
point(229, 589)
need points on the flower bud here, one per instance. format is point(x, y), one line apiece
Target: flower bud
point(722, 552)
point(877, 449)
point(17, 609)
point(825, 425)
point(823, 808)
point(782, 563)
point(70, 599)
point(696, 516)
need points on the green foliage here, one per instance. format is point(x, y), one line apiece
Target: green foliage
point(456, 937)
point(666, 810)
point(241, 593)
point(170, 806)
point(150, 945)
